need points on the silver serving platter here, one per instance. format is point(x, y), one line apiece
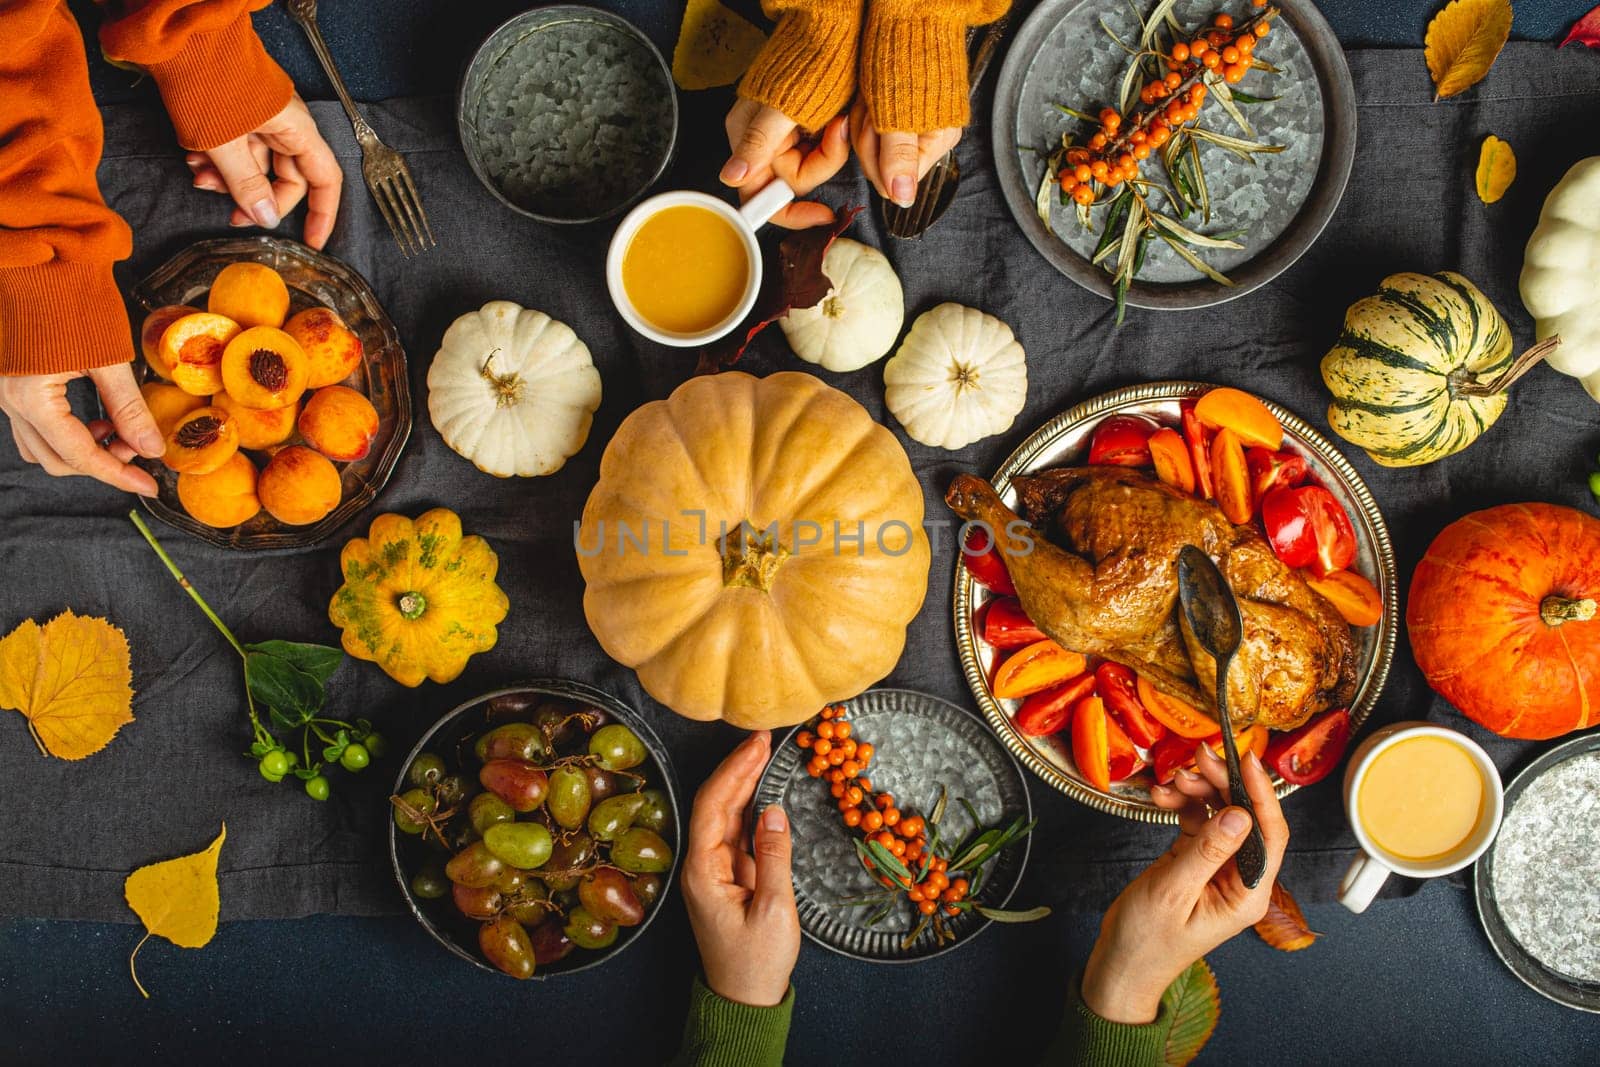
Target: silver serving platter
point(1062, 442)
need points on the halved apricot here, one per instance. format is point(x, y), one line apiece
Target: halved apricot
point(1237, 410)
point(251, 294)
point(339, 422)
point(168, 404)
point(192, 348)
point(264, 368)
point(299, 486)
point(224, 497)
point(201, 441)
point(1232, 477)
point(259, 428)
point(333, 351)
point(155, 324)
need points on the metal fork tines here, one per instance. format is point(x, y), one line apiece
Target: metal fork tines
point(382, 168)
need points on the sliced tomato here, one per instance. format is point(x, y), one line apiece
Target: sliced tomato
point(1199, 442)
point(1005, 625)
point(1170, 454)
point(1037, 667)
point(1271, 470)
point(1232, 478)
point(1118, 687)
point(1234, 409)
point(1336, 537)
point(1122, 441)
point(1049, 712)
point(1101, 750)
point(978, 555)
point(1171, 754)
point(1181, 718)
point(1307, 527)
point(1125, 759)
point(1310, 753)
point(1356, 599)
point(1252, 738)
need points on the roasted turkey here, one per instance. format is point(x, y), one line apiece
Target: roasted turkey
point(1095, 565)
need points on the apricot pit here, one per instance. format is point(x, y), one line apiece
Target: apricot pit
point(201, 441)
point(192, 349)
point(263, 368)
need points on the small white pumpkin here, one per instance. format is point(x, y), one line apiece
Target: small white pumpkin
point(959, 376)
point(513, 390)
point(1561, 273)
point(857, 322)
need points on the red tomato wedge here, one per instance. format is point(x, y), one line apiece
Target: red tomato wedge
point(1355, 597)
point(1171, 754)
point(978, 555)
point(1232, 478)
point(1122, 441)
point(1271, 470)
point(1046, 713)
point(1037, 667)
point(1101, 750)
point(1252, 738)
point(1310, 753)
point(1308, 528)
point(1194, 435)
point(1170, 453)
point(1118, 687)
point(1005, 625)
point(1237, 410)
point(1177, 716)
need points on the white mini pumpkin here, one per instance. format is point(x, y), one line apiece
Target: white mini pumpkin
point(857, 322)
point(1561, 273)
point(959, 376)
point(513, 390)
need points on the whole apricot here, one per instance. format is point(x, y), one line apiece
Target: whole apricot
point(192, 348)
point(264, 368)
point(225, 497)
point(299, 486)
point(339, 422)
point(201, 441)
point(168, 404)
point(259, 428)
point(155, 324)
point(251, 294)
point(332, 349)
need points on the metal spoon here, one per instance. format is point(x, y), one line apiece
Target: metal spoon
point(1213, 615)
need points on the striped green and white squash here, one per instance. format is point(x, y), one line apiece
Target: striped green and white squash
point(1398, 368)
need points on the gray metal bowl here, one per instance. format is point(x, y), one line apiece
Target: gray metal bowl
point(593, 165)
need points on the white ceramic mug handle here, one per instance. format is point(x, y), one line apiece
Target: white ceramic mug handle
point(759, 209)
point(1361, 883)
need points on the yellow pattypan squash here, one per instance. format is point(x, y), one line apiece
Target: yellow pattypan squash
point(418, 598)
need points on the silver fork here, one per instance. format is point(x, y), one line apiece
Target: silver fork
point(384, 170)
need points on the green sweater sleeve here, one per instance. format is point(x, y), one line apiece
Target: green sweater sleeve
point(722, 1033)
point(1086, 1040)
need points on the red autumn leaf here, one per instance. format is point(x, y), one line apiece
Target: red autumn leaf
point(1585, 31)
point(1284, 927)
point(797, 283)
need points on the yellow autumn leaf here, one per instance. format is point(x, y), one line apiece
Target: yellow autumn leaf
point(1463, 41)
point(1497, 169)
point(176, 899)
point(715, 46)
point(71, 680)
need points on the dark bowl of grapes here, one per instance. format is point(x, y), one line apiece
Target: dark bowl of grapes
point(535, 829)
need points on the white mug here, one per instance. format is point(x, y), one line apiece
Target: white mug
point(1369, 871)
point(745, 219)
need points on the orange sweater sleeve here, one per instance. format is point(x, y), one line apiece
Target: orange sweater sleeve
point(914, 61)
point(807, 69)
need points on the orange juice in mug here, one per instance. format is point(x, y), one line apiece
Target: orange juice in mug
point(1423, 801)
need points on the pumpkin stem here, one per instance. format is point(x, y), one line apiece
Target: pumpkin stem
point(1555, 610)
point(751, 558)
point(964, 376)
point(832, 306)
point(412, 605)
point(1464, 383)
point(507, 387)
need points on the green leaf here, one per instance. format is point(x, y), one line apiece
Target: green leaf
point(1237, 145)
point(1247, 98)
point(1002, 915)
point(319, 661)
point(1041, 202)
point(1188, 236)
point(1153, 20)
point(1195, 261)
point(1108, 236)
point(938, 808)
point(1083, 116)
point(885, 861)
point(1193, 1005)
point(332, 752)
point(287, 690)
point(1120, 291)
point(1224, 96)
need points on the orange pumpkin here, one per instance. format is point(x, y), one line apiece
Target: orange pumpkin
point(1502, 619)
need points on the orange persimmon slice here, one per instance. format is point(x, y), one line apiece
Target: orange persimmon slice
point(1171, 456)
point(1237, 410)
point(1355, 597)
point(1232, 477)
point(1037, 667)
point(1181, 718)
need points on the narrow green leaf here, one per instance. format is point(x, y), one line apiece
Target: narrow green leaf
point(1075, 113)
point(1247, 98)
point(1153, 20)
point(888, 862)
point(1003, 915)
point(1108, 236)
point(1236, 145)
point(1130, 238)
point(938, 808)
point(1041, 202)
point(1195, 261)
point(1197, 172)
point(1120, 292)
point(1224, 96)
point(1124, 45)
point(1194, 1006)
point(1264, 66)
point(1183, 233)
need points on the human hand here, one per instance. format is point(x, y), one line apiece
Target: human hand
point(766, 144)
point(1191, 899)
point(303, 165)
point(895, 162)
point(49, 434)
point(741, 906)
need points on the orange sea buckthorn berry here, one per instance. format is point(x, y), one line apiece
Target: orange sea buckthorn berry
point(912, 826)
point(1199, 47)
point(1145, 95)
point(872, 821)
point(836, 790)
point(1099, 168)
point(1141, 151)
point(864, 783)
point(836, 758)
point(1138, 137)
point(849, 768)
point(1246, 43)
point(1173, 80)
point(825, 729)
point(891, 816)
point(1160, 137)
point(829, 711)
point(927, 907)
point(1077, 155)
point(1068, 182)
point(1258, 3)
point(1126, 161)
point(951, 909)
point(815, 771)
point(898, 847)
point(841, 730)
point(1197, 94)
point(884, 838)
point(864, 753)
point(1174, 112)
point(1234, 74)
point(804, 738)
point(1190, 112)
point(1261, 30)
point(836, 775)
point(884, 801)
point(1218, 38)
point(1113, 179)
point(822, 746)
point(1083, 172)
point(1083, 194)
point(914, 894)
point(1097, 142)
point(1224, 20)
point(1230, 54)
point(1180, 52)
point(853, 794)
point(1110, 117)
point(850, 746)
point(960, 885)
point(1212, 61)
point(852, 817)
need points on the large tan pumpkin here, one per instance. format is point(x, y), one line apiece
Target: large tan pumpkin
point(687, 585)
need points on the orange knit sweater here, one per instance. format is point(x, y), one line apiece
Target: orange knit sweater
point(912, 59)
point(60, 309)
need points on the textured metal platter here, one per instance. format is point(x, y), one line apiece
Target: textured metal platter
point(1584, 996)
point(1062, 442)
point(922, 743)
point(314, 279)
point(1062, 56)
